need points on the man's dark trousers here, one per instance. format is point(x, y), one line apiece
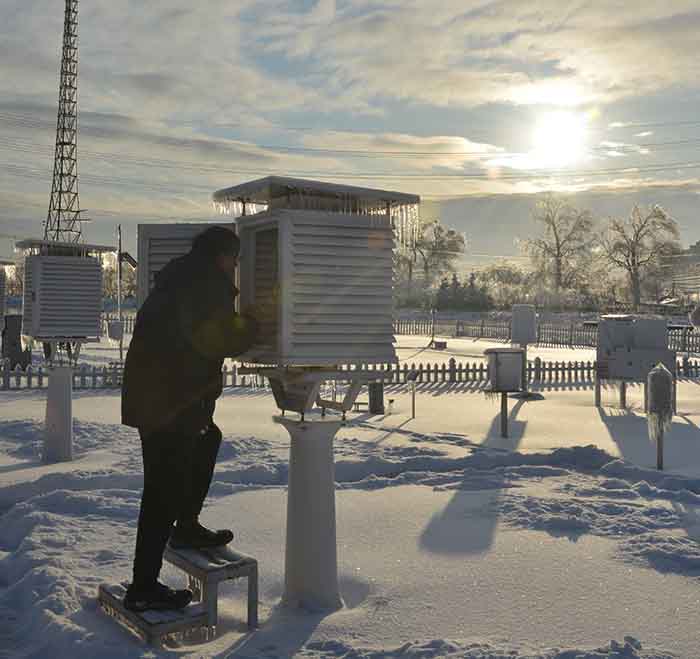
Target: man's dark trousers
point(177, 472)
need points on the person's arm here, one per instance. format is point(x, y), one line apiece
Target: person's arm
point(210, 324)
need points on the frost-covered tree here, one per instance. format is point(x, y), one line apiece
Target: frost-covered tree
point(563, 248)
point(15, 280)
point(638, 243)
point(437, 249)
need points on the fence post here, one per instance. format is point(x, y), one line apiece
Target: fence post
point(40, 377)
point(6, 374)
point(538, 368)
point(686, 366)
point(453, 370)
point(30, 372)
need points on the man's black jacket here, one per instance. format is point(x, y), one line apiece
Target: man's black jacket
point(183, 332)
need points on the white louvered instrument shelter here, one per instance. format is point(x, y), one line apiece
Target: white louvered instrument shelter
point(160, 243)
point(328, 277)
point(62, 297)
point(321, 256)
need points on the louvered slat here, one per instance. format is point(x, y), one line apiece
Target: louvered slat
point(342, 281)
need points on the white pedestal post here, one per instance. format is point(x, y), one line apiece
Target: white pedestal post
point(311, 564)
point(58, 428)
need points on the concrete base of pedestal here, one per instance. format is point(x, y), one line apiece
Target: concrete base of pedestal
point(58, 428)
point(311, 564)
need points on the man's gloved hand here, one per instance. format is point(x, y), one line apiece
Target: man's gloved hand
point(262, 311)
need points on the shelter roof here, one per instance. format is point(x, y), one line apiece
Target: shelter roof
point(34, 243)
point(261, 191)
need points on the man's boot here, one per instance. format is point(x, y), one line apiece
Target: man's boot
point(192, 535)
point(158, 597)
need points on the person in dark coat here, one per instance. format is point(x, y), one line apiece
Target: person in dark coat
point(184, 330)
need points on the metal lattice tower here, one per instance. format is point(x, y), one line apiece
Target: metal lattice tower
point(63, 222)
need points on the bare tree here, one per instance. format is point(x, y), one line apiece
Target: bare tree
point(432, 254)
point(15, 280)
point(437, 248)
point(638, 244)
point(566, 240)
point(129, 281)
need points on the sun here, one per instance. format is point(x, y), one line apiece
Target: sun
point(559, 139)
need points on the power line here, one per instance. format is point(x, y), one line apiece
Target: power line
point(28, 121)
point(624, 149)
point(20, 170)
point(218, 169)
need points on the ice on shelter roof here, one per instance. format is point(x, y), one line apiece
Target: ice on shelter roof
point(261, 191)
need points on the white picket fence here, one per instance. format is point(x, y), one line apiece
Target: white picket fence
point(538, 372)
point(96, 377)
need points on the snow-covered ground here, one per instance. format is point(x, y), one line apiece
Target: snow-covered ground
point(561, 540)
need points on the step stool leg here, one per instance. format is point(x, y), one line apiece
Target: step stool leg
point(253, 597)
point(210, 601)
point(195, 585)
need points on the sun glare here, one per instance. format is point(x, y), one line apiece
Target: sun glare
point(559, 139)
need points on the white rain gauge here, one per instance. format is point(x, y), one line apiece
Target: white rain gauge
point(523, 331)
point(320, 257)
point(505, 372)
point(62, 306)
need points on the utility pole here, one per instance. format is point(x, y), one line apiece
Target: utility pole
point(119, 292)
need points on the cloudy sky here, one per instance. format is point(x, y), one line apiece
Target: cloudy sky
point(441, 98)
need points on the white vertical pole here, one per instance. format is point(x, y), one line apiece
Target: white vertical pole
point(119, 292)
point(58, 428)
point(311, 563)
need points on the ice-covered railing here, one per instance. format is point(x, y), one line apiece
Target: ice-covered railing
point(276, 192)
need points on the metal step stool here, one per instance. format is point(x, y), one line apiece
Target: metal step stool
point(206, 568)
point(152, 625)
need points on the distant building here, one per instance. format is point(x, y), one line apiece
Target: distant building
point(684, 270)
